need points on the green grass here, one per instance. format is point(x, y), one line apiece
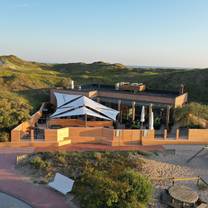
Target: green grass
point(28, 81)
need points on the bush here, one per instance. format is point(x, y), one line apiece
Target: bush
point(139, 190)
point(12, 112)
point(96, 190)
point(102, 179)
point(4, 136)
point(128, 189)
point(193, 114)
point(38, 163)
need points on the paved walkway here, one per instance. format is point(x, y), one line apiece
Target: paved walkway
point(19, 186)
point(98, 147)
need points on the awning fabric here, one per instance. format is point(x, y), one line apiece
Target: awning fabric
point(75, 105)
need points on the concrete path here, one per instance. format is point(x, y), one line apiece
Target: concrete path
point(100, 147)
point(14, 183)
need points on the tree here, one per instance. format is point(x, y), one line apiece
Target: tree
point(12, 112)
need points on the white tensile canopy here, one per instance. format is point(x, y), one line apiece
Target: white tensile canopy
point(76, 105)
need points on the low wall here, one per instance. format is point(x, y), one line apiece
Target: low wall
point(85, 135)
point(195, 136)
point(198, 135)
point(26, 126)
point(126, 137)
point(181, 99)
point(79, 123)
point(96, 132)
point(62, 134)
point(118, 137)
point(56, 135)
point(53, 138)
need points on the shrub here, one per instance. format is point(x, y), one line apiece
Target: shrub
point(139, 190)
point(12, 112)
point(193, 114)
point(102, 179)
point(96, 190)
point(38, 163)
point(4, 136)
point(127, 189)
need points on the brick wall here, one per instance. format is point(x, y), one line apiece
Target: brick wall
point(79, 123)
point(195, 136)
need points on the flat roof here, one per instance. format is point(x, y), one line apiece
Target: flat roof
point(148, 92)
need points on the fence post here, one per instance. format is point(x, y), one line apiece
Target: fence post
point(32, 135)
point(177, 133)
point(165, 133)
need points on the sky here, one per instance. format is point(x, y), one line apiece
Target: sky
point(169, 33)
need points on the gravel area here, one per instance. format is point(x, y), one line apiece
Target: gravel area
point(173, 163)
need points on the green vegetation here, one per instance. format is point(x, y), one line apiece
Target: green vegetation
point(29, 82)
point(192, 115)
point(11, 113)
point(102, 179)
point(23, 86)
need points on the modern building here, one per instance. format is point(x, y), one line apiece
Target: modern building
point(102, 114)
point(128, 99)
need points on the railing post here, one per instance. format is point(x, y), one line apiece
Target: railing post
point(165, 133)
point(32, 135)
point(177, 133)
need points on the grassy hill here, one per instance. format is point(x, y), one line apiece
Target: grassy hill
point(29, 79)
point(195, 81)
point(28, 83)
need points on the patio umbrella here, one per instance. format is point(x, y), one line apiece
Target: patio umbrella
point(151, 122)
point(142, 116)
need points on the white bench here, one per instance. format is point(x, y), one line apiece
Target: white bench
point(62, 183)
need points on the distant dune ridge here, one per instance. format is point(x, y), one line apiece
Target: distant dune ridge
point(27, 79)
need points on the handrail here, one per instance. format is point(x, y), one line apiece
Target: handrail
point(174, 179)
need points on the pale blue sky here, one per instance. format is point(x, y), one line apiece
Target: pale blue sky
point(133, 32)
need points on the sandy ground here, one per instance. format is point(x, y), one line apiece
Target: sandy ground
point(173, 163)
